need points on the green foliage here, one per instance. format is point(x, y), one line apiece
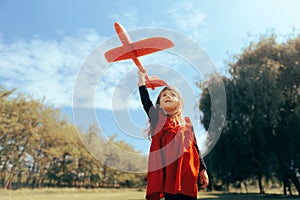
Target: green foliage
point(261, 135)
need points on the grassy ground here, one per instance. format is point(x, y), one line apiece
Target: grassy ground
point(115, 194)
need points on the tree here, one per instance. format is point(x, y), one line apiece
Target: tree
point(19, 124)
point(38, 148)
point(262, 112)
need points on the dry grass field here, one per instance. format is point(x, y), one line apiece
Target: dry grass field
point(117, 194)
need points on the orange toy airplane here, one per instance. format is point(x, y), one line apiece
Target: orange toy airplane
point(133, 50)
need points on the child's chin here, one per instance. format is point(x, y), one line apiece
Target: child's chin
point(169, 109)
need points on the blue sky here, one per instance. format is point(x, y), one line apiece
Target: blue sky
point(44, 44)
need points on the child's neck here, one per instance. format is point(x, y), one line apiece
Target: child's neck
point(175, 118)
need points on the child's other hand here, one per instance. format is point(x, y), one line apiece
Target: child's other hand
point(141, 78)
point(204, 178)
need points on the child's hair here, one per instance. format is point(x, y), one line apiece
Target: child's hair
point(154, 112)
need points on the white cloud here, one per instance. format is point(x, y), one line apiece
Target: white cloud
point(54, 69)
point(188, 18)
point(128, 17)
point(46, 68)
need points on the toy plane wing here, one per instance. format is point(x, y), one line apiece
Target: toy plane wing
point(137, 49)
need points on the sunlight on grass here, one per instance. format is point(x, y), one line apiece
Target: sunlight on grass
point(113, 194)
point(71, 194)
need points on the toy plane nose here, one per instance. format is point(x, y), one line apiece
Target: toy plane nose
point(119, 28)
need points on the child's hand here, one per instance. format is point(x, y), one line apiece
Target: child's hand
point(141, 78)
point(204, 178)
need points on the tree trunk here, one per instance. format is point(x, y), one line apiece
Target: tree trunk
point(2, 179)
point(19, 182)
point(227, 187)
point(285, 186)
point(33, 177)
point(40, 181)
point(43, 165)
point(28, 180)
point(3, 173)
point(295, 181)
point(8, 182)
point(246, 188)
point(290, 189)
point(41, 174)
point(261, 188)
point(33, 184)
point(15, 166)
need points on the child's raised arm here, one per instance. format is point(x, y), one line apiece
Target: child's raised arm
point(141, 78)
point(144, 95)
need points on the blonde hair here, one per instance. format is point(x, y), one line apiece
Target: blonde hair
point(176, 116)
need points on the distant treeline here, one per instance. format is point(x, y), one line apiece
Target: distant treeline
point(39, 148)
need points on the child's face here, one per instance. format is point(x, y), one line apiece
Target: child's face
point(169, 101)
